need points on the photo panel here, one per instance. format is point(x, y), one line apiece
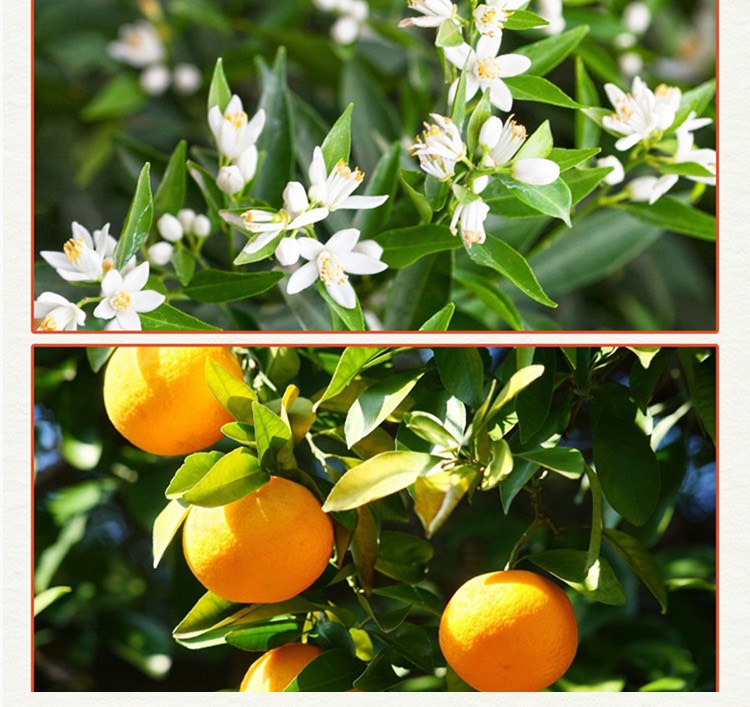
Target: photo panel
point(253, 166)
point(438, 519)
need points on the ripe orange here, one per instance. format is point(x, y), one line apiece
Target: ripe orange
point(158, 399)
point(266, 547)
point(274, 670)
point(511, 631)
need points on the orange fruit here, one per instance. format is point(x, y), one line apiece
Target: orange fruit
point(511, 631)
point(274, 670)
point(266, 547)
point(158, 399)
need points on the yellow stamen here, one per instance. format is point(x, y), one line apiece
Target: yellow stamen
point(121, 301)
point(238, 119)
point(331, 272)
point(74, 248)
point(48, 324)
point(107, 265)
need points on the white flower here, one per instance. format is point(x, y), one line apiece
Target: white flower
point(231, 129)
point(124, 298)
point(440, 147)
point(626, 40)
point(170, 228)
point(502, 141)
point(333, 191)
point(139, 45)
point(247, 163)
point(85, 257)
point(486, 70)
point(618, 171)
point(230, 179)
point(155, 79)
point(331, 262)
point(201, 226)
point(434, 12)
point(552, 11)
point(160, 253)
point(471, 217)
point(57, 314)
point(490, 18)
point(631, 63)
point(287, 252)
point(642, 113)
point(650, 189)
point(187, 79)
point(535, 171)
point(186, 217)
point(637, 17)
point(345, 30)
point(706, 158)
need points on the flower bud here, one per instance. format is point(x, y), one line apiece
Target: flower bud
point(155, 79)
point(287, 252)
point(230, 180)
point(536, 171)
point(295, 199)
point(480, 184)
point(358, 10)
point(248, 163)
point(490, 133)
point(160, 253)
point(641, 189)
point(170, 228)
point(201, 226)
point(618, 172)
point(631, 63)
point(326, 5)
point(187, 79)
point(345, 30)
point(637, 17)
point(186, 217)
point(626, 40)
point(370, 248)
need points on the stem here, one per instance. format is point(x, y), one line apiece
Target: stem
point(88, 300)
point(513, 559)
point(597, 522)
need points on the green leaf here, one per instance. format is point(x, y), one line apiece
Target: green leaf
point(625, 463)
point(241, 432)
point(403, 556)
point(462, 373)
point(538, 145)
point(458, 109)
point(412, 182)
point(352, 319)
point(546, 54)
point(587, 131)
point(534, 402)
point(168, 318)
point(337, 143)
point(120, 97)
point(552, 199)
point(704, 395)
point(215, 198)
point(500, 466)
point(567, 159)
point(582, 181)
point(376, 404)
point(643, 380)
point(440, 321)
point(600, 583)
point(48, 597)
point(498, 255)
point(235, 475)
point(684, 169)
point(166, 525)
point(170, 196)
point(449, 35)
point(479, 117)
point(429, 428)
point(384, 180)
point(379, 674)
point(333, 671)
point(673, 215)
point(377, 477)
point(520, 380)
point(219, 93)
point(98, 356)
point(437, 192)
point(494, 299)
point(523, 19)
point(417, 291)
point(350, 363)
point(193, 469)
point(563, 460)
point(138, 221)
point(184, 265)
point(641, 561)
point(700, 97)
point(265, 635)
point(539, 90)
point(277, 138)
point(273, 438)
point(236, 396)
point(217, 286)
point(512, 484)
point(404, 246)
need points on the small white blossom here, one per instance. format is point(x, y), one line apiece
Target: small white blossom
point(617, 174)
point(186, 217)
point(508, 140)
point(160, 253)
point(535, 171)
point(155, 79)
point(637, 17)
point(686, 153)
point(201, 226)
point(345, 30)
point(170, 228)
point(490, 18)
point(625, 40)
point(54, 313)
point(124, 298)
point(230, 179)
point(287, 252)
point(247, 163)
point(631, 64)
point(330, 262)
point(434, 13)
point(471, 217)
point(650, 189)
point(233, 133)
point(486, 70)
point(139, 45)
point(642, 113)
point(187, 79)
point(440, 147)
point(552, 11)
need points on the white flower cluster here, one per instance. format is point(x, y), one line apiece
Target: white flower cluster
point(645, 116)
point(140, 45)
point(172, 229)
point(636, 19)
point(352, 17)
point(89, 257)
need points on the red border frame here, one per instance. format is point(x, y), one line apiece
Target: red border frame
point(715, 347)
point(387, 333)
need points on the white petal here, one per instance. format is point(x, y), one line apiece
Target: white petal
point(59, 261)
point(513, 64)
point(343, 294)
point(663, 185)
point(147, 300)
point(614, 93)
point(104, 310)
point(360, 264)
point(342, 241)
point(363, 202)
point(302, 278)
point(309, 217)
point(128, 321)
point(82, 232)
point(488, 47)
point(458, 55)
point(500, 95)
point(261, 241)
point(309, 248)
point(317, 171)
point(111, 283)
point(255, 126)
point(135, 280)
point(625, 143)
point(215, 119)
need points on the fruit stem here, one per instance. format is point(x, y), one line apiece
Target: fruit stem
point(513, 559)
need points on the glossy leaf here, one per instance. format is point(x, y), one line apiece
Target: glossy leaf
point(166, 525)
point(169, 318)
point(546, 54)
point(350, 364)
point(462, 373)
point(219, 93)
point(404, 246)
point(236, 396)
point(539, 90)
point(137, 224)
point(193, 469)
point(337, 143)
point(563, 460)
point(673, 215)
point(170, 196)
point(217, 286)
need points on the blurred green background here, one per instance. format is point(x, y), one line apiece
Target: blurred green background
point(94, 128)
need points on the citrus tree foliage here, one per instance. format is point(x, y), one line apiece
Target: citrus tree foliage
point(593, 467)
point(547, 173)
